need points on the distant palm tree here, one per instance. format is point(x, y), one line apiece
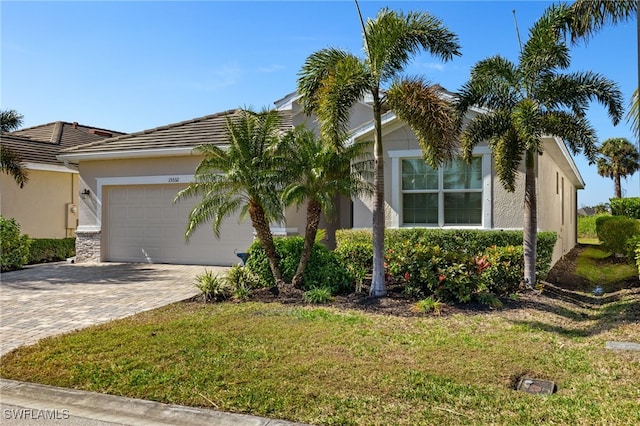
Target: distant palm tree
point(10, 161)
point(619, 158)
point(332, 80)
point(319, 172)
point(529, 100)
point(244, 177)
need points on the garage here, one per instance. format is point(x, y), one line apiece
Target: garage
point(141, 223)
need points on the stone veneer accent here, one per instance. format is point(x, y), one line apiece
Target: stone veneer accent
point(88, 246)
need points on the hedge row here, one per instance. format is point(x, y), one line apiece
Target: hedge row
point(44, 250)
point(356, 244)
point(629, 207)
point(619, 234)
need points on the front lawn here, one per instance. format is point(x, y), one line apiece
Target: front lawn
point(322, 365)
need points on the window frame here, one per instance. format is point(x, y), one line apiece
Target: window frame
point(397, 220)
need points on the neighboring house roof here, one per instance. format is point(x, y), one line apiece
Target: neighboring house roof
point(38, 146)
point(170, 140)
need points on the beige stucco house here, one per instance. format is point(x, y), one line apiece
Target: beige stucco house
point(46, 206)
point(132, 180)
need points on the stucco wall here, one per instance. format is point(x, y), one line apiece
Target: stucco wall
point(507, 208)
point(556, 204)
point(40, 207)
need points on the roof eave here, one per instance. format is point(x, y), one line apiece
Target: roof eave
point(127, 154)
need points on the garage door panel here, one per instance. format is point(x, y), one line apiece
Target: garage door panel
point(144, 225)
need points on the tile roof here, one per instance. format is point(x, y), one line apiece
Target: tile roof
point(41, 144)
point(182, 135)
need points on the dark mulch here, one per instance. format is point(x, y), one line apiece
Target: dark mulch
point(561, 278)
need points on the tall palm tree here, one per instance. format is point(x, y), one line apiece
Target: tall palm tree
point(618, 159)
point(10, 161)
point(244, 177)
point(589, 17)
point(529, 100)
point(332, 80)
point(319, 172)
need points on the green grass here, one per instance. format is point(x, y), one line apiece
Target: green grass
point(587, 227)
point(597, 267)
point(323, 366)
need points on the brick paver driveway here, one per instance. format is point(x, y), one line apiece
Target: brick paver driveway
point(50, 299)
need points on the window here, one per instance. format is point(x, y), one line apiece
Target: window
point(449, 195)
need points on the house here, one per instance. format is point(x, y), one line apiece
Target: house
point(132, 180)
point(46, 207)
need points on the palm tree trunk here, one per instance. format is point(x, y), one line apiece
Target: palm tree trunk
point(313, 219)
point(530, 231)
point(378, 287)
point(618, 187)
point(261, 226)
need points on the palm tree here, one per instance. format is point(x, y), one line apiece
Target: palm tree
point(319, 172)
point(529, 100)
point(633, 116)
point(10, 120)
point(245, 176)
point(589, 17)
point(10, 161)
point(618, 158)
point(332, 80)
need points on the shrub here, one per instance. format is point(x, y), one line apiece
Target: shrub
point(356, 254)
point(629, 207)
point(427, 305)
point(14, 249)
point(242, 280)
point(504, 269)
point(638, 258)
point(417, 265)
point(352, 245)
point(214, 287)
point(51, 250)
point(614, 231)
point(318, 295)
point(323, 270)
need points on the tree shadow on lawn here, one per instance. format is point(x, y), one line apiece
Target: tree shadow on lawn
point(582, 314)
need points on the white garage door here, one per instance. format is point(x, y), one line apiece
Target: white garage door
point(144, 225)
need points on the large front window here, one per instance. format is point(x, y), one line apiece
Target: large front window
point(448, 196)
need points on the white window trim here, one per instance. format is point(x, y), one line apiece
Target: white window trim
point(396, 193)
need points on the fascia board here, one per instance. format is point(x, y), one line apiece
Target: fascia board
point(138, 153)
point(559, 143)
point(48, 168)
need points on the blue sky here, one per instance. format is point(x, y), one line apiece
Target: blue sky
point(132, 66)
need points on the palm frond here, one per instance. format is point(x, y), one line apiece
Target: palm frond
point(393, 38)
point(575, 130)
point(590, 16)
point(432, 118)
point(11, 163)
point(508, 154)
point(10, 120)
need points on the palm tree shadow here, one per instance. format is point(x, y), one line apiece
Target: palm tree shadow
point(588, 314)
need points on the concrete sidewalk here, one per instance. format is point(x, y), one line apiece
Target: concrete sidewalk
point(50, 299)
point(32, 404)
